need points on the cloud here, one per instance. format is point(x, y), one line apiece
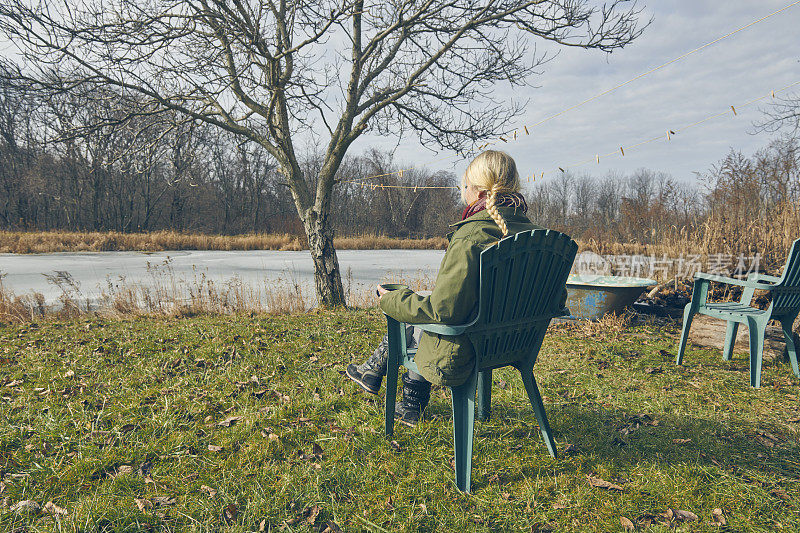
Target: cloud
point(735, 70)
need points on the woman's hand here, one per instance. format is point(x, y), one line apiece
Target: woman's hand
point(381, 291)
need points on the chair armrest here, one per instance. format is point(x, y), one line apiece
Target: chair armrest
point(757, 276)
point(441, 329)
point(733, 281)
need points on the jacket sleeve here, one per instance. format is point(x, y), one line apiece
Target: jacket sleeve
point(454, 296)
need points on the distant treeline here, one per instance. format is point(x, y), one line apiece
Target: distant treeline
point(742, 205)
point(156, 173)
point(58, 172)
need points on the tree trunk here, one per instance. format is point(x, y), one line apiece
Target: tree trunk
point(327, 276)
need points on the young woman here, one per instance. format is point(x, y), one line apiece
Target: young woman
point(495, 208)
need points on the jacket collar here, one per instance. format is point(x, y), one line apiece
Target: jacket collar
point(510, 214)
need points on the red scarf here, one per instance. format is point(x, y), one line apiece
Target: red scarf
point(513, 199)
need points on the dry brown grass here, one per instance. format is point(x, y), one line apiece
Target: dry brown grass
point(770, 239)
point(159, 241)
point(167, 294)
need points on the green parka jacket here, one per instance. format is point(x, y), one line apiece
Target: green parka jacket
point(445, 359)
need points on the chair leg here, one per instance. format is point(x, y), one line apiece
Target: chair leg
point(730, 339)
point(756, 334)
point(688, 315)
point(484, 395)
point(463, 427)
point(392, 367)
point(791, 345)
point(538, 408)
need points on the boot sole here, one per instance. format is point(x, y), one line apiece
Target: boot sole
point(361, 384)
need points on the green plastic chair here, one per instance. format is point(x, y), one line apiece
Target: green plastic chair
point(785, 305)
point(522, 279)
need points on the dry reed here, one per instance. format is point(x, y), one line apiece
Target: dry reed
point(159, 241)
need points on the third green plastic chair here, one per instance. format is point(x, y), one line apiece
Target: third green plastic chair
point(785, 305)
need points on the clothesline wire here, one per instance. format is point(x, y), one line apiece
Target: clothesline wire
point(621, 149)
point(586, 101)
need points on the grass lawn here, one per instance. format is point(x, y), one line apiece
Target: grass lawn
point(237, 423)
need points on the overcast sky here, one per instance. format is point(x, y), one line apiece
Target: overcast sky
point(740, 68)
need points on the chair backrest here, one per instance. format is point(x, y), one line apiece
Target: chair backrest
point(786, 294)
point(522, 279)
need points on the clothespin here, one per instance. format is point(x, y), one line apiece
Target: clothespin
point(598, 158)
point(542, 176)
point(400, 174)
point(415, 188)
point(773, 94)
point(623, 151)
point(502, 139)
point(515, 135)
point(734, 111)
point(526, 130)
point(561, 169)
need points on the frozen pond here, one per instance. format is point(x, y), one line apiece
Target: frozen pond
point(89, 275)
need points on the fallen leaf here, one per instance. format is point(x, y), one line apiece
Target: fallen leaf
point(396, 446)
point(506, 496)
point(145, 468)
point(333, 526)
point(686, 516)
point(69, 374)
point(26, 506)
point(162, 501)
point(779, 493)
point(123, 469)
point(571, 449)
point(718, 517)
point(262, 526)
point(208, 490)
point(626, 523)
point(127, 428)
point(52, 508)
point(542, 527)
point(559, 505)
point(389, 504)
point(228, 422)
point(646, 519)
point(143, 504)
point(424, 508)
point(654, 370)
point(603, 484)
point(230, 512)
point(214, 448)
point(317, 450)
point(681, 441)
point(312, 515)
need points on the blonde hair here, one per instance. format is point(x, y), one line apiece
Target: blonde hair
point(495, 172)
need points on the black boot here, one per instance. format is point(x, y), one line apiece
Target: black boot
point(416, 395)
point(369, 374)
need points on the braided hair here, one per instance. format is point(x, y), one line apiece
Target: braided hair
point(494, 172)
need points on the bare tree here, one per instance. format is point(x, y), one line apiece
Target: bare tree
point(273, 71)
point(783, 114)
